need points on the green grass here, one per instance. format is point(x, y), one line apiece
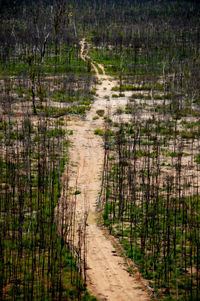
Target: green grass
point(63, 64)
point(99, 132)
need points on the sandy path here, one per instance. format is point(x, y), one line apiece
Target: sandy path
point(107, 275)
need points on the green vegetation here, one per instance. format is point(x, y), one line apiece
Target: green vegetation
point(100, 112)
point(99, 132)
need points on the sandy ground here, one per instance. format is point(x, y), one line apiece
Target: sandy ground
point(107, 275)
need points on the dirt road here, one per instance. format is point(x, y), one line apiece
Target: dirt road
point(107, 275)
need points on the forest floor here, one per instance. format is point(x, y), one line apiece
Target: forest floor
point(107, 273)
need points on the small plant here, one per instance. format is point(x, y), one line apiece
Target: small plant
point(107, 119)
point(107, 97)
point(77, 192)
point(119, 111)
point(70, 132)
point(115, 96)
point(99, 132)
point(197, 159)
point(100, 112)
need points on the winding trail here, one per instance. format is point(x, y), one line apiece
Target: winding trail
point(107, 275)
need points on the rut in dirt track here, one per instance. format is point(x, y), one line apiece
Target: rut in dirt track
point(107, 276)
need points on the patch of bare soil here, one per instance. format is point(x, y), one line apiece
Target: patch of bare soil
point(107, 275)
